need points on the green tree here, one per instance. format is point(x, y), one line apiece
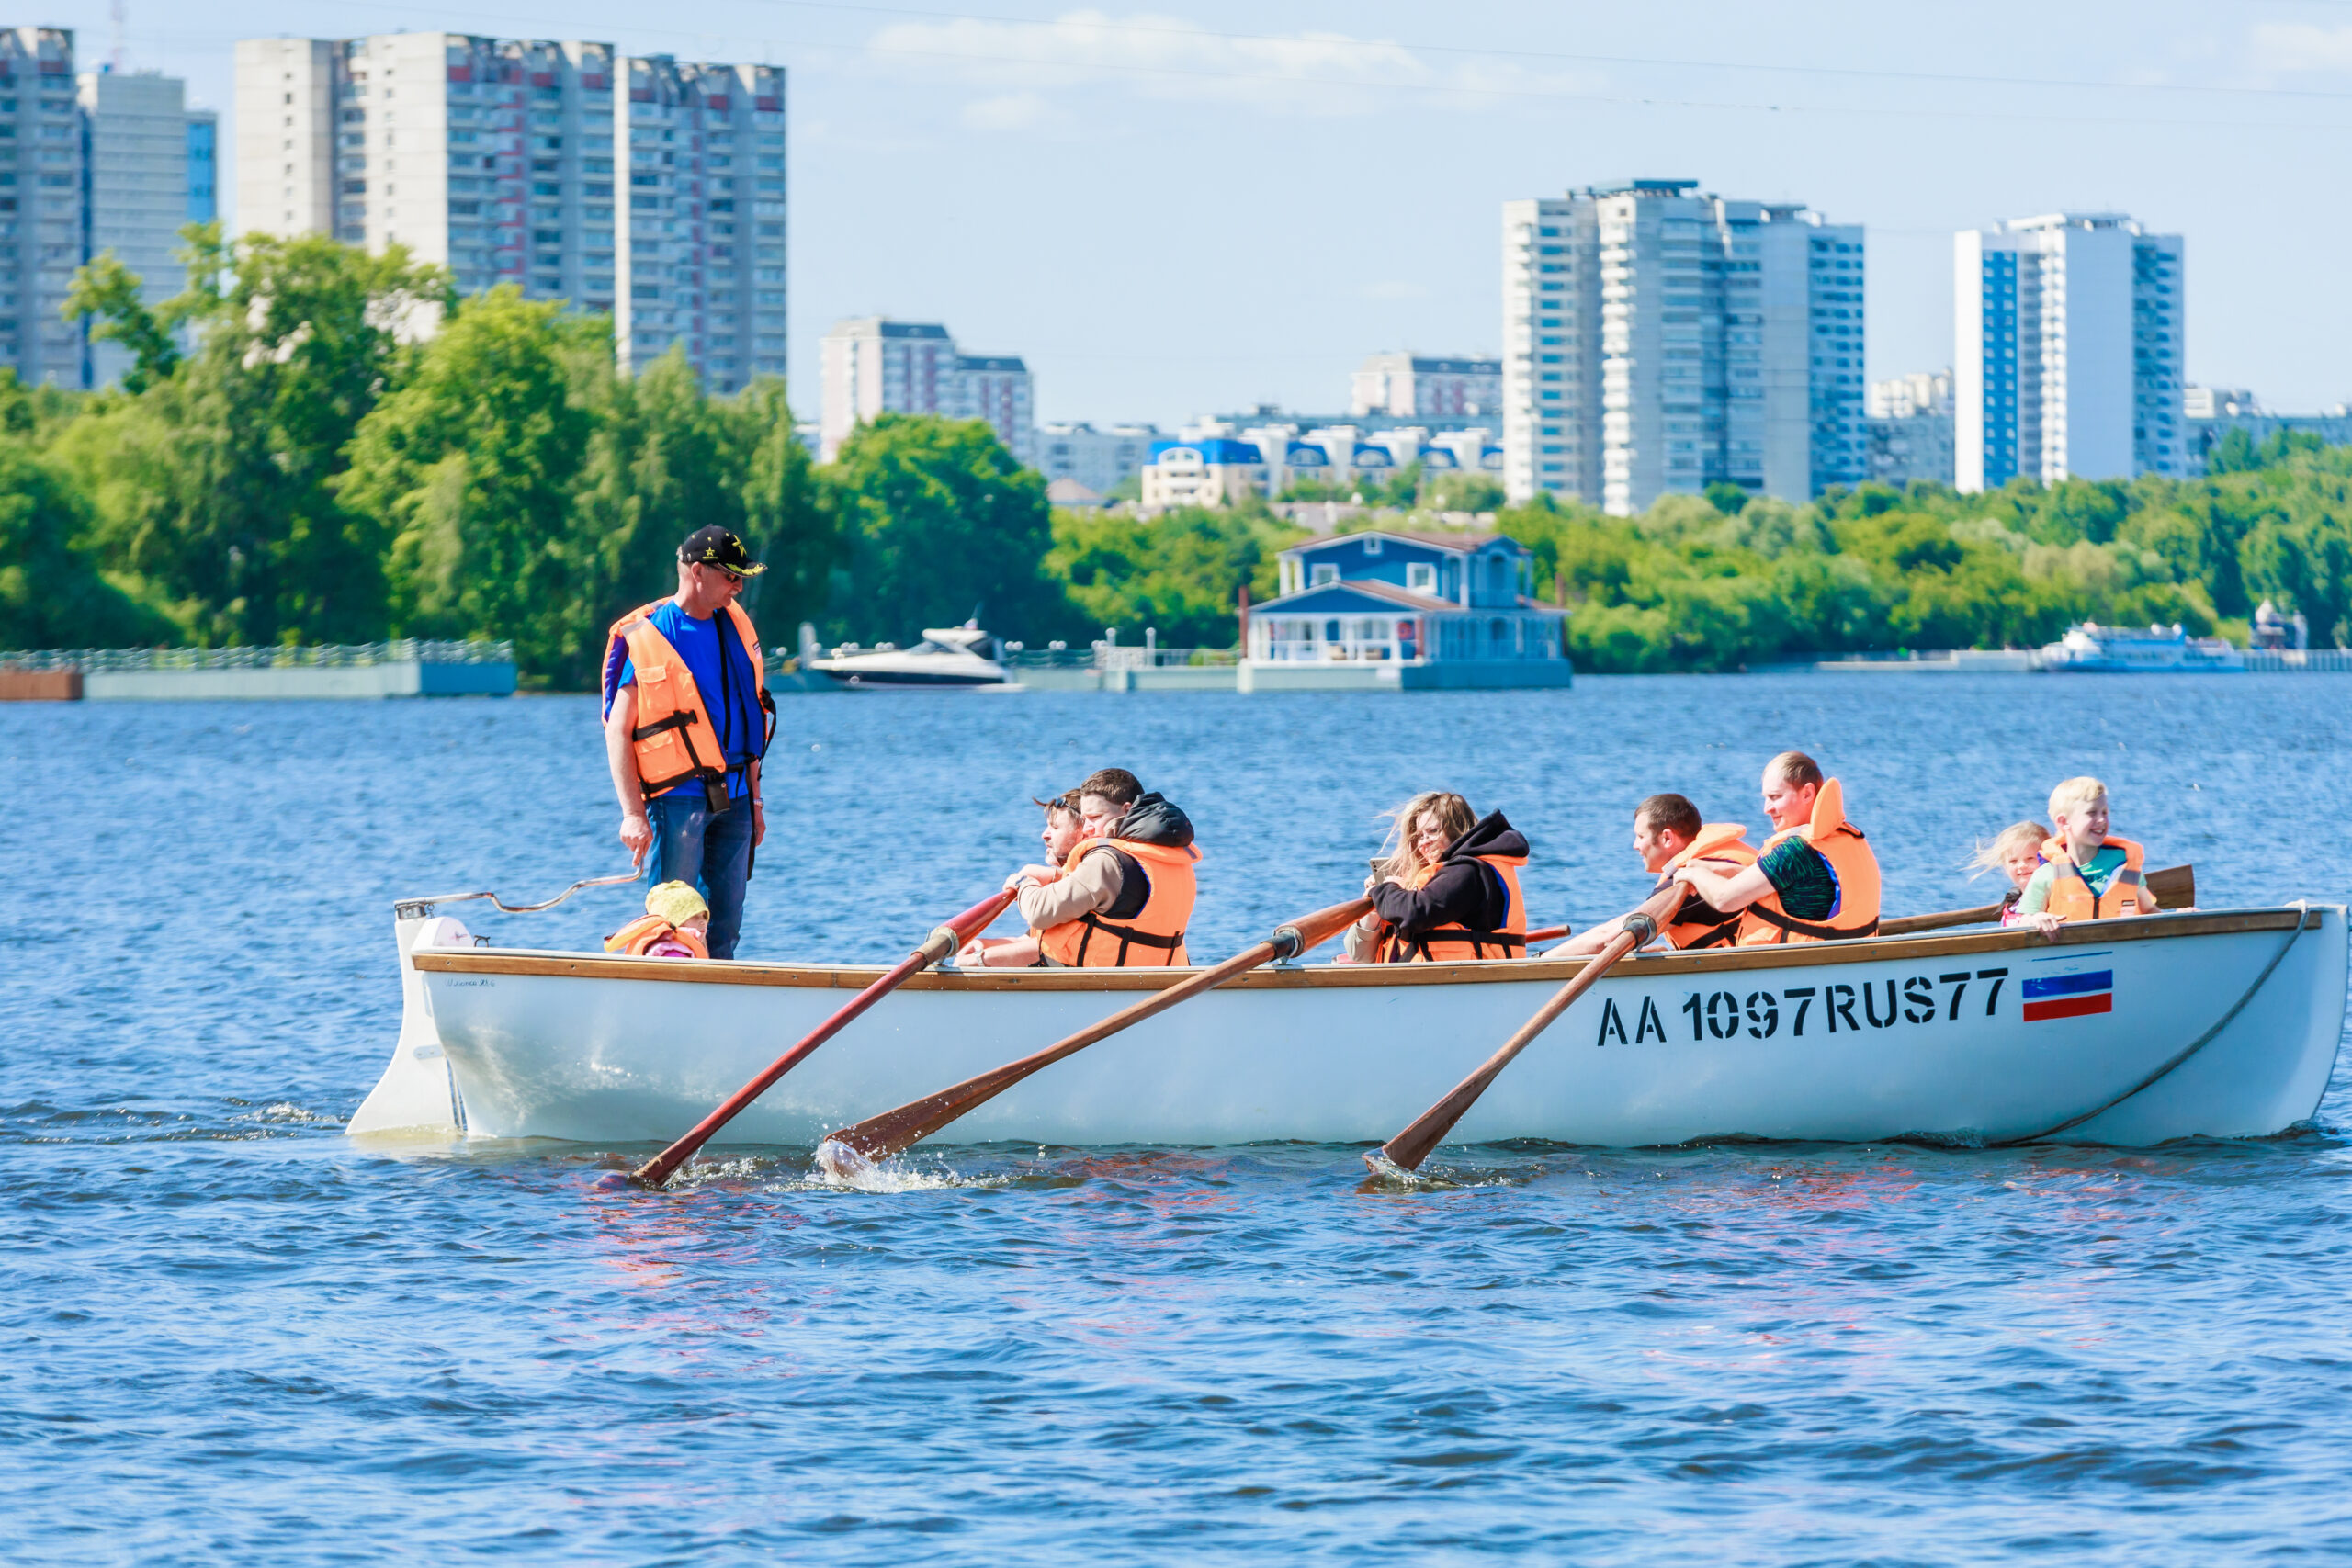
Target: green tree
point(1181, 573)
point(788, 524)
point(110, 291)
point(216, 487)
point(937, 517)
point(50, 594)
point(1466, 492)
point(468, 469)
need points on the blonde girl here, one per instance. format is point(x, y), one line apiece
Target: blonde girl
point(2015, 853)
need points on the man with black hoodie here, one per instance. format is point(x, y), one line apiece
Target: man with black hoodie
point(1468, 907)
point(1126, 895)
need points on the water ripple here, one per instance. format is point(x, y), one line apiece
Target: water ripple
point(235, 1334)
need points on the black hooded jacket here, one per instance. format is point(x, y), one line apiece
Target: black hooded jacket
point(1150, 820)
point(1462, 892)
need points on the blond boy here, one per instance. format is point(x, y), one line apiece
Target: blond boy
point(2086, 874)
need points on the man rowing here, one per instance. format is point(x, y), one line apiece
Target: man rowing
point(687, 718)
point(1668, 834)
point(1123, 897)
point(1817, 879)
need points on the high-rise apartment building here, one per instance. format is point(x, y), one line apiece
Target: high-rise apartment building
point(876, 365)
point(1100, 459)
point(641, 185)
point(1658, 340)
point(41, 202)
point(203, 165)
point(1407, 386)
point(1908, 427)
point(136, 190)
point(2068, 338)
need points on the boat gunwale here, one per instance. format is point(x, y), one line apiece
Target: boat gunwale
point(842, 976)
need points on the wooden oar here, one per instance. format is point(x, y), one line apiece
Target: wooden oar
point(893, 1131)
point(2174, 888)
point(1903, 925)
point(1548, 934)
point(1408, 1148)
point(942, 941)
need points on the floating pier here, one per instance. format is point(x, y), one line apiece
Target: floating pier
point(404, 668)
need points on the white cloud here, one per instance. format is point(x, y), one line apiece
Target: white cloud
point(1008, 111)
point(2303, 46)
point(1169, 58)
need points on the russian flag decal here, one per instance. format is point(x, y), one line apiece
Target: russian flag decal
point(2070, 996)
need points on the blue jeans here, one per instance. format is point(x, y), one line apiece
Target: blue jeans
point(714, 853)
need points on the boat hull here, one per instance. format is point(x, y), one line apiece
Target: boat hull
point(1932, 1037)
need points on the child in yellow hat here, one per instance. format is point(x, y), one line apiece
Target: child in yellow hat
point(672, 926)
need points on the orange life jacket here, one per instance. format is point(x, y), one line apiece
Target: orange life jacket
point(637, 937)
point(674, 738)
point(1720, 847)
point(1454, 944)
point(1145, 927)
point(1840, 843)
point(2069, 894)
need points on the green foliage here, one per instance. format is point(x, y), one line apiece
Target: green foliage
point(110, 291)
point(216, 488)
point(937, 516)
point(1181, 573)
point(51, 593)
point(1464, 492)
point(318, 466)
point(467, 469)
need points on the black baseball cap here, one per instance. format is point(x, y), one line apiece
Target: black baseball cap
point(716, 547)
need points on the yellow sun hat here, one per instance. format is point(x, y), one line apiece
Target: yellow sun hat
point(676, 902)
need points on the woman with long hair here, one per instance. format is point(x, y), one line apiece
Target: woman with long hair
point(1446, 888)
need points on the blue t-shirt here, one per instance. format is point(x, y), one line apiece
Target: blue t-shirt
point(722, 672)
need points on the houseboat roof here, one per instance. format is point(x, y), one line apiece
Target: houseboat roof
point(1384, 595)
point(1460, 544)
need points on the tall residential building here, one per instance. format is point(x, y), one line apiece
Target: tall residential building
point(41, 202)
point(1908, 428)
point(136, 190)
point(635, 184)
point(1410, 386)
point(876, 365)
point(1658, 340)
point(1100, 459)
point(2209, 413)
point(2068, 332)
point(203, 165)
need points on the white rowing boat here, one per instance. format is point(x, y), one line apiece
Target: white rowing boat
point(2131, 1031)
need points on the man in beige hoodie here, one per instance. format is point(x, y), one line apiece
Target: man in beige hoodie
point(1091, 887)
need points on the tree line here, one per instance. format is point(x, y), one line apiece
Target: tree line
point(344, 451)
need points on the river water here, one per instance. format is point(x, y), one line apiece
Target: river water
point(232, 1333)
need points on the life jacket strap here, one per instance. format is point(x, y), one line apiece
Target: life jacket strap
point(1128, 937)
point(1479, 941)
point(1808, 928)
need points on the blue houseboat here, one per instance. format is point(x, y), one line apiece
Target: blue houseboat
point(1406, 609)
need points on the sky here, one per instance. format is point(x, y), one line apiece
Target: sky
point(1209, 204)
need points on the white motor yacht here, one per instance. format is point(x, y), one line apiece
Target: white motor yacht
point(947, 656)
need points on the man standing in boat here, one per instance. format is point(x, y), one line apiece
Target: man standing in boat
point(1817, 879)
point(1125, 896)
point(687, 718)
